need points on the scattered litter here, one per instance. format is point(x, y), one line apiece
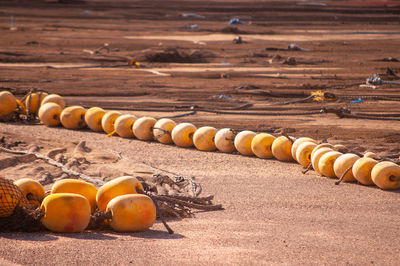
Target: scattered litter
point(157, 72)
point(173, 55)
point(237, 21)
point(191, 15)
point(224, 97)
point(191, 27)
point(290, 47)
point(135, 63)
point(225, 64)
point(368, 86)
point(320, 96)
point(377, 80)
point(85, 12)
point(98, 50)
point(357, 101)
point(290, 61)
point(199, 42)
point(238, 40)
point(295, 47)
point(12, 27)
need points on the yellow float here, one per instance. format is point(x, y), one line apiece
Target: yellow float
point(203, 138)
point(50, 114)
point(93, 118)
point(224, 140)
point(282, 148)
point(386, 175)
point(162, 130)
point(73, 117)
point(116, 187)
point(65, 212)
point(32, 190)
point(182, 134)
point(123, 125)
point(77, 186)
point(261, 145)
point(143, 128)
point(243, 142)
point(362, 170)
point(131, 213)
point(8, 103)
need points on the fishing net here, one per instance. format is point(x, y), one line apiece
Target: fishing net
point(10, 197)
point(16, 214)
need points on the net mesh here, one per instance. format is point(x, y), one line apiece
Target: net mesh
point(10, 197)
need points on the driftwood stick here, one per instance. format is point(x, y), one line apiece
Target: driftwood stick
point(66, 170)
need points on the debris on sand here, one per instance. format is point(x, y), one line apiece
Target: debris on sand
point(377, 80)
point(290, 47)
point(173, 55)
point(237, 21)
point(192, 15)
point(191, 27)
point(223, 97)
point(290, 61)
point(238, 40)
point(295, 47)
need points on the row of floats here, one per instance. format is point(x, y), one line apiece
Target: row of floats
point(326, 159)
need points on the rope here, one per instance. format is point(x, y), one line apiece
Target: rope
point(297, 101)
point(181, 115)
point(112, 133)
point(259, 113)
point(394, 178)
point(340, 112)
point(359, 116)
point(374, 97)
point(164, 132)
point(346, 113)
point(342, 177)
point(379, 115)
point(308, 168)
point(66, 170)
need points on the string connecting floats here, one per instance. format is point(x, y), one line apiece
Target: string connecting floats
point(164, 132)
